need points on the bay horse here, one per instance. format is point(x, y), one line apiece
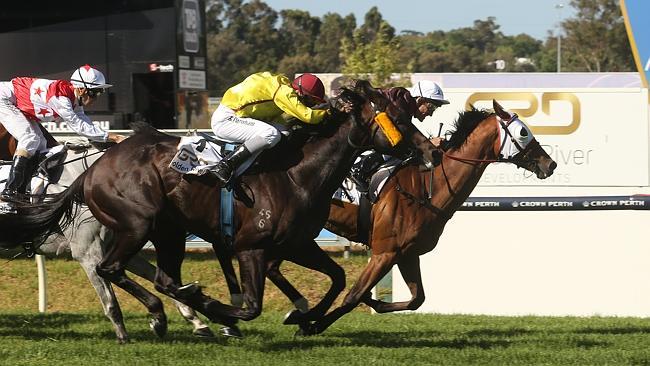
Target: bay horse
point(423, 207)
point(280, 209)
point(86, 240)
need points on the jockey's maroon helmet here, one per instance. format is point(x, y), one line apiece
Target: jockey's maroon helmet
point(309, 84)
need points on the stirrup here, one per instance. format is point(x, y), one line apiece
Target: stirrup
point(361, 186)
point(224, 181)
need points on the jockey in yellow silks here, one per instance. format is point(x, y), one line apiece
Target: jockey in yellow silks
point(251, 113)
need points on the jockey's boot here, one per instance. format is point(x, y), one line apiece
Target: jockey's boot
point(227, 166)
point(30, 170)
point(17, 178)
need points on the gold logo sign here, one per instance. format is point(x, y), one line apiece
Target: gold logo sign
point(533, 107)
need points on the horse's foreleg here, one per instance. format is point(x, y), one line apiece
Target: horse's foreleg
point(146, 270)
point(224, 255)
point(378, 266)
point(273, 273)
point(252, 267)
point(311, 256)
point(410, 269)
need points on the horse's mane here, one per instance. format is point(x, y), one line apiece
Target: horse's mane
point(145, 128)
point(466, 122)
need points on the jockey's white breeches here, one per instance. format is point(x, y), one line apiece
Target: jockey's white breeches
point(29, 135)
point(255, 134)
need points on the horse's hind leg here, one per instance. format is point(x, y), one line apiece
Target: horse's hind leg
point(310, 255)
point(146, 270)
point(85, 246)
point(106, 296)
point(126, 244)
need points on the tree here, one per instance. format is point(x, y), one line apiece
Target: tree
point(334, 29)
point(243, 40)
point(376, 60)
point(596, 39)
point(298, 32)
point(373, 23)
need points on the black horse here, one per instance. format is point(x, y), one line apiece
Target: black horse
point(281, 207)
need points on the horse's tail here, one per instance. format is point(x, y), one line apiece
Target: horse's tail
point(34, 222)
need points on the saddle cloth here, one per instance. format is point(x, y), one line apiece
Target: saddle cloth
point(197, 155)
point(377, 182)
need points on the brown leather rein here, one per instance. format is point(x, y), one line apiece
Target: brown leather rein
point(499, 159)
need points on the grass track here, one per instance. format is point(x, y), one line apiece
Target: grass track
point(74, 331)
point(358, 339)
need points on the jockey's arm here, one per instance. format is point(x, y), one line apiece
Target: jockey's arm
point(287, 100)
point(77, 120)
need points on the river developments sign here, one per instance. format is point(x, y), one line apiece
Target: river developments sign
point(587, 131)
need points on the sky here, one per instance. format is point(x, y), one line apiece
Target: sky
point(533, 17)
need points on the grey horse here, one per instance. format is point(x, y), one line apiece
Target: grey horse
point(87, 239)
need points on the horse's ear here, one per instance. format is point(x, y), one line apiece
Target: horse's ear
point(498, 109)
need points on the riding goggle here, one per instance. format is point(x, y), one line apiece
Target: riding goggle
point(431, 105)
point(93, 93)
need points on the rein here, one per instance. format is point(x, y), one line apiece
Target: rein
point(371, 135)
point(499, 159)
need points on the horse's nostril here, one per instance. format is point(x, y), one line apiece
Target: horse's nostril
point(552, 166)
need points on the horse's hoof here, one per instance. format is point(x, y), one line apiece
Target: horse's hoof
point(158, 326)
point(293, 317)
point(204, 332)
point(232, 332)
point(122, 340)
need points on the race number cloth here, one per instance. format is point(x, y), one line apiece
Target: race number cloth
point(196, 155)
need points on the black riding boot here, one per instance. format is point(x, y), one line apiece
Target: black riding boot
point(17, 178)
point(30, 170)
point(363, 170)
point(227, 166)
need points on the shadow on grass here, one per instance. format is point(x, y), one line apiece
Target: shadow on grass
point(54, 326)
point(512, 332)
point(380, 339)
point(614, 330)
point(50, 320)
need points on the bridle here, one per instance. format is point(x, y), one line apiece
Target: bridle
point(518, 159)
point(370, 134)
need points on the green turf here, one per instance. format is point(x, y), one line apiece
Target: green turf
point(358, 339)
point(74, 331)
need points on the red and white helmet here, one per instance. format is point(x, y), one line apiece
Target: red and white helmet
point(309, 84)
point(88, 77)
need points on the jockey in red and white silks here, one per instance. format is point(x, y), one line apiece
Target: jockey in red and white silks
point(26, 101)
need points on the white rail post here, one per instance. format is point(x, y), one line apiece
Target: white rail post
point(42, 283)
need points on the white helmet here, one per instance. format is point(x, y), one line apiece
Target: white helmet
point(428, 89)
point(88, 77)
